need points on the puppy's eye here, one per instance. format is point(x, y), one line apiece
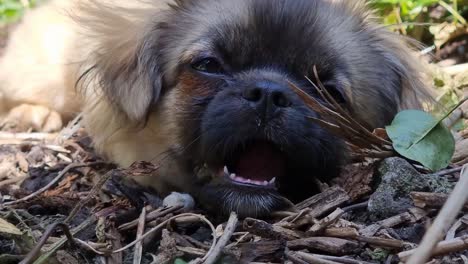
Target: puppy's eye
point(208, 65)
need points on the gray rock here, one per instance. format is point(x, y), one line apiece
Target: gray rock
point(179, 199)
point(398, 179)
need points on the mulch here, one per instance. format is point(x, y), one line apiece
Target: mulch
point(61, 201)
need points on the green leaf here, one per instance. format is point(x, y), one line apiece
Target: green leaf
point(421, 137)
point(179, 261)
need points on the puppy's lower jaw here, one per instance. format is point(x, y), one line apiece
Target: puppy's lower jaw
point(222, 197)
point(245, 181)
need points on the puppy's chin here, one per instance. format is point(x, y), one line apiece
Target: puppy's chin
point(222, 197)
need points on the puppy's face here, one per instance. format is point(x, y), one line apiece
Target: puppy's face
point(225, 66)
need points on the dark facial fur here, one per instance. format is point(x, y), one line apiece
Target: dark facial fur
point(228, 64)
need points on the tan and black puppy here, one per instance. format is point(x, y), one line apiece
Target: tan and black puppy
point(200, 87)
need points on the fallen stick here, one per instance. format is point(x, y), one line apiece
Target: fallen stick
point(431, 200)
point(310, 258)
point(382, 242)
point(332, 245)
point(51, 183)
point(448, 171)
point(343, 260)
point(325, 222)
point(414, 215)
point(140, 230)
point(443, 221)
point(267, 230)
point(442, 248)
point(341, 232)
point(158, 213)
point(164, 223)
point(325, 201)
point(218, 248)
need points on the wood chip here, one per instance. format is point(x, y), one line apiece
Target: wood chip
point(332, 245)
point(325, 222)
point(266, 230)
point(262, 248)
point(341, 232)
point(382, 242)
point(326, 201)
point(356, 180)
point(431, 200)
point(405, 217)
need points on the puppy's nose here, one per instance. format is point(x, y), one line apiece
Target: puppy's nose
point(267, 94)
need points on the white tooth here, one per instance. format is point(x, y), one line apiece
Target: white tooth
point(265, 183)
point(232, 176)
point(226, 170)
point(248, 181)
point(272, 180)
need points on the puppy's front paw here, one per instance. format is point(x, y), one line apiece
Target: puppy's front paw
point(36, 117)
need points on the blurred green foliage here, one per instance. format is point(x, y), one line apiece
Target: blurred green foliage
point(392, 11)
point(413, 17)
point(12, 10)
point(395, 11)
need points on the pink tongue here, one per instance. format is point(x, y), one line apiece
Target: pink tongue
point(260, 162)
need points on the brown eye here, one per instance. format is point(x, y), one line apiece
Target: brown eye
point(208, 65)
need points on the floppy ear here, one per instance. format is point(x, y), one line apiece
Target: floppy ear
point(402, 57)
point(121, 63)
point(399, 54)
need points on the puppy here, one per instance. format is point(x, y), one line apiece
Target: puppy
point(200, 87)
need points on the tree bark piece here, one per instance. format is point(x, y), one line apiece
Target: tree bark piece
point(332, 245)
point(325, 222)
point(325, 201)
point(431, 200)
point(267, 230)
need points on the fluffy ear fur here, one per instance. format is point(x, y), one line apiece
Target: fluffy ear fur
point(415, 92)
point(121, 65)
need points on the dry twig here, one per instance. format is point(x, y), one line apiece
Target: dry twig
point(325, 201)
point(51, 183)
point(158, 227)
point(140, 230)
point(34, 253)
point(431, 200)
point(335, 118)
point(443, 221)
point(442, 248)
point(212, 256)
point(325, 222)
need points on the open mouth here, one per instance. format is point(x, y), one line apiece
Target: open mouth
point(258, 164)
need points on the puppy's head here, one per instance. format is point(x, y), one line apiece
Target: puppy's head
point(222, 68)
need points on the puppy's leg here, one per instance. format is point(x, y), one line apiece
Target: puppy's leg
point(37, 117)
point(37, 71)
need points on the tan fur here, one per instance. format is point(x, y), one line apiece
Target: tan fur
point(415, 92)
point(47, 54)
point(37, 64)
